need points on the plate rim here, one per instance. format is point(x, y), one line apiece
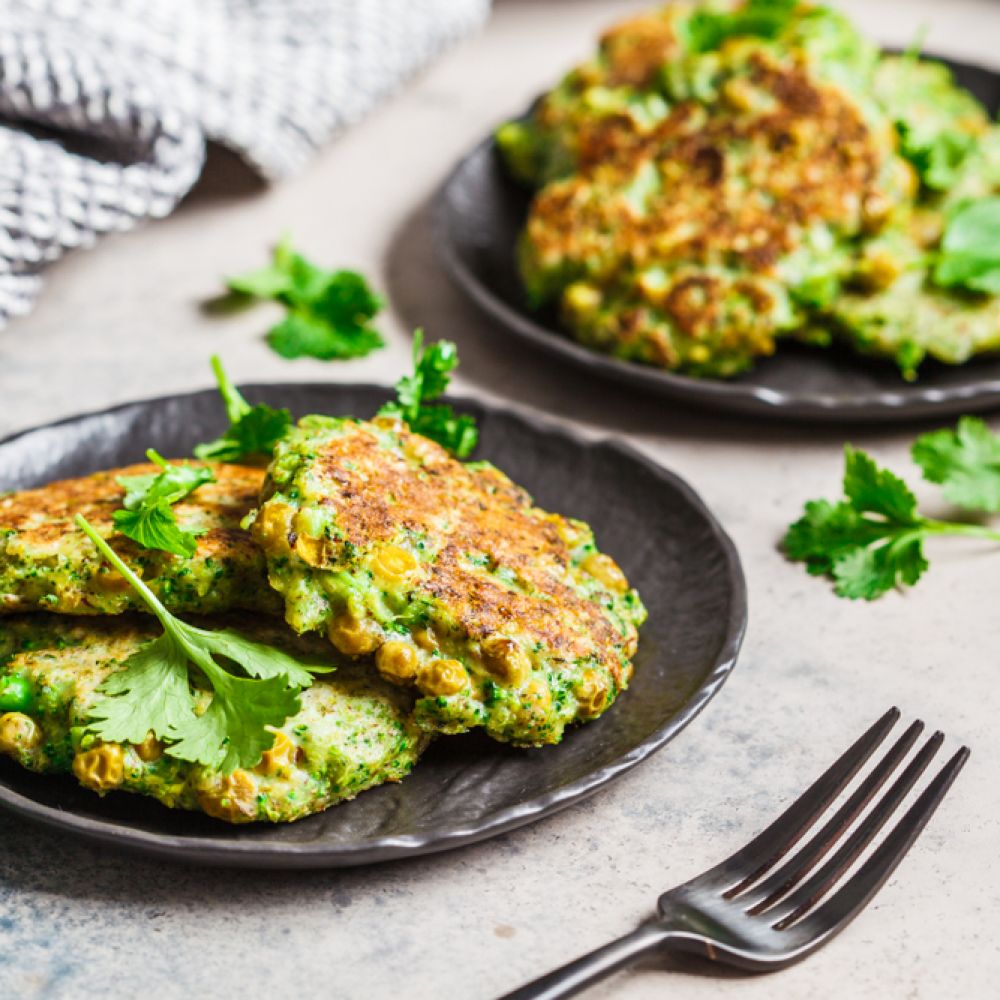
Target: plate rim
point(883, 405)
point(277, 855)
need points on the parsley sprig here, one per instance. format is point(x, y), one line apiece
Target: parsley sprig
point(253, 430)
point(431, 376)
point(329, 313)
point(147, 516)
point(153, 692)
point(872, 540)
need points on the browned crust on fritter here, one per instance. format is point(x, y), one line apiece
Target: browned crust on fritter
point(635, 50)
point(813, 160)
point(42, 520)
point(47, 513)
point(467, 511)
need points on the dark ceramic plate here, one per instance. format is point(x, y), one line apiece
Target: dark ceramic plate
point(480, 212)
point(466, 788)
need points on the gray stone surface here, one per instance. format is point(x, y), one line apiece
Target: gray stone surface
point(125, 321)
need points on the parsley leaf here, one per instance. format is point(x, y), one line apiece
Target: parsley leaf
point(965, 461)
point(152, 693)
point(872, 540)
point(147, 517)
point(329, 312)
point(707, 30)
point(431, 376)
point(253, 430)
point(970, 249)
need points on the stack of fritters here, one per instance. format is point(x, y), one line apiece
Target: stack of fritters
point(444, 599)
point(699, 199)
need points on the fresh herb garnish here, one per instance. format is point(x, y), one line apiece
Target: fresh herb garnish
point(872, 540)
point(937, 156)
point(706, 30)
point(152, 693)
point(329, 312)
point(432, 369)
point(253, 430)
point(970, 249)
point(148, 517)
point(965, 461)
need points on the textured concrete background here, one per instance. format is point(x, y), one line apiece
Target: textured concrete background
point(124, 321)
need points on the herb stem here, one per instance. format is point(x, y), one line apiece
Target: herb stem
point(952, 528)
point(152, 601)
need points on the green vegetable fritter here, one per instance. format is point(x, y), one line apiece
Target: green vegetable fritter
point(721, 175)
point(501, 615)
point(354, 730)
point(48, 564)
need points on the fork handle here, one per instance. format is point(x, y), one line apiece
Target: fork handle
point(570, 979)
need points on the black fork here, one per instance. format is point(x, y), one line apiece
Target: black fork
point(759, 911)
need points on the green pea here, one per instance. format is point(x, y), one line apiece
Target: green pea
point(15, 694)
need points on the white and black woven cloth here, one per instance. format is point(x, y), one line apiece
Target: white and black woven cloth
point(106, 105)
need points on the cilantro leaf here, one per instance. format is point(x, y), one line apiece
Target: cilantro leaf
point(301, 335)
point(154, 526)
point(153, 692)
point(329, 312)
point(965, 461)
point(170, 484)
point(868, 572)
point(232, 732)
point(431, 376)
point(707, 30)
point(872, 490)
point(147, 517)
point(970, 249)
point(872, 540)
point(253, 430)
point(827, 532)
point(937, 156)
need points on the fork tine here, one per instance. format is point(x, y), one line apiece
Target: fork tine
point(852, 897)
point(813, 888)
point(767, 848)
point(775, 886)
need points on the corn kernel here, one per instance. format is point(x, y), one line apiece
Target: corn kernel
point(273, 526)
point(426, 639)
point(397, 660)
point(505, 660)
point(442, 677)
point(18, 732)
point(591, 692)
point(280, 757)
point(582, 299)
point(538, 696)
point(150, 749)
point(353, 636)
point(393, 564)
point(605, 569)
point(422, 450)
point(312, 551)
point(101, 768)
point(232, 798)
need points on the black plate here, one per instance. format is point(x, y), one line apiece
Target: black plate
point(480, 211)
point(466, 788)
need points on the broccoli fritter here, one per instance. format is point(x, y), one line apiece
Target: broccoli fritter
point(500, 615)
point(48, 564)
point(721, 175)
point(354, 730)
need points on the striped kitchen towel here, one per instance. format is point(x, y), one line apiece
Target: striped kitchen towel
point(106, 105)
